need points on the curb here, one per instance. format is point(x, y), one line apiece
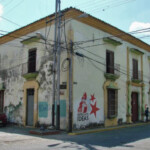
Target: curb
point(44, 133)
point(107, 129)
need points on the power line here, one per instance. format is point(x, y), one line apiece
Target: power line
point(8, 3)
point(84, 56)
point(10, 21)
point(123, 68)
point(118, 35)
point(13, 36)
point(109, 6)
point(13, 8)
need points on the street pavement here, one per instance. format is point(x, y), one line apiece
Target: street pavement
point(131, 138)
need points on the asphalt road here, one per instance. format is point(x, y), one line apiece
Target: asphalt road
point(133, 138)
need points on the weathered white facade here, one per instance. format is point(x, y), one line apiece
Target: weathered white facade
point(94, 43)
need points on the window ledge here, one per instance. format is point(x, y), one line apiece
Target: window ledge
point(111, 76)
point(136, 80)
point(112, 116)
point(30, 76)
point(112, 41)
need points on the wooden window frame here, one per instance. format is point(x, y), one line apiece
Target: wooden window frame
point(110, 62)
point(135, 68)
point(112, 103)
point(1, 100)
point(32, 60)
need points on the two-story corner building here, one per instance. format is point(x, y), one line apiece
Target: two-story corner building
point(111, 73)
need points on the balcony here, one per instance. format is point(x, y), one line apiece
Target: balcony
point(29, 71)
point(137, 77)
point(112, 72)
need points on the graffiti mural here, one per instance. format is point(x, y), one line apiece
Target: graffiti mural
point(87, 107)
point(82, 109)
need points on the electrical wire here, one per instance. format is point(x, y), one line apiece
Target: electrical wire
point(89, 58)
point(118, 35)
point(122, 67)
point(13, 8)
point(8, 3)
point(10, 21)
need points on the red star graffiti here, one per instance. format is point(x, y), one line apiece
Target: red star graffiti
point(84, 96)
point(92, 97)
point(94, 109)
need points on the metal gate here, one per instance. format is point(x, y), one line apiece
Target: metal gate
point(30, 107)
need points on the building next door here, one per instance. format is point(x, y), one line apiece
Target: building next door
point(30, 107)
point(134, 104)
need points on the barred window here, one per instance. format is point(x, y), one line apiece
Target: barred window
point(112, 103)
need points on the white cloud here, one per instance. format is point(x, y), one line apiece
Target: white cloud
point(1, 10)
point(138, 26)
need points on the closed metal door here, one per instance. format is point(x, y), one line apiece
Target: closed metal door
point(30, 107)
point(134, 106)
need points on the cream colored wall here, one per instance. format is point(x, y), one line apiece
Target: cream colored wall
point(146, 74)
point(90, 76)
point(10, 68)
point(12, 55)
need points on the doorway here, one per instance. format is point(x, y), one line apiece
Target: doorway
point(1, 100)
point(134, 104)
point(30, 107)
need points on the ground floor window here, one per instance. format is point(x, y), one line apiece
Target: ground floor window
point(112, 103)
point(1, 100)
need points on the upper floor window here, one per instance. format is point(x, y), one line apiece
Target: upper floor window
point(32, 61)
point(110, 62)
point(135, 69)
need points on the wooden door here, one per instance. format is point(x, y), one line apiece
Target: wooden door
point(134, 104)
point(1, 100)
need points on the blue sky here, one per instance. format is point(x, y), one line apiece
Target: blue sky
point(127, 15)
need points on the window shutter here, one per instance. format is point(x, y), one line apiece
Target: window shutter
point(112, 103)
point(135, 68)
point(109, 62)
point(112, 62)
point(32, 61)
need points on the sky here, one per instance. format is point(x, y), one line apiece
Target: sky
point(127, 15)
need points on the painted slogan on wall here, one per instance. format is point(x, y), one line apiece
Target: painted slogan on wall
point(87, 107)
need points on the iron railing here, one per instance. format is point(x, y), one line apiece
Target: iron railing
point(28, 68)
point(113, 69)
point(137, 76)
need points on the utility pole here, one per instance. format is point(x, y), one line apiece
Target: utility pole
point(54, 67)
point(70, 85)
point(58, 66)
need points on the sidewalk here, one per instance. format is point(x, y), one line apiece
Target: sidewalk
point(87, 131)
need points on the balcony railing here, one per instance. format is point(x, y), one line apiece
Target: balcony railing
point(137, 77)
point(24, 68)
point(29, 72)
point(112, 72)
